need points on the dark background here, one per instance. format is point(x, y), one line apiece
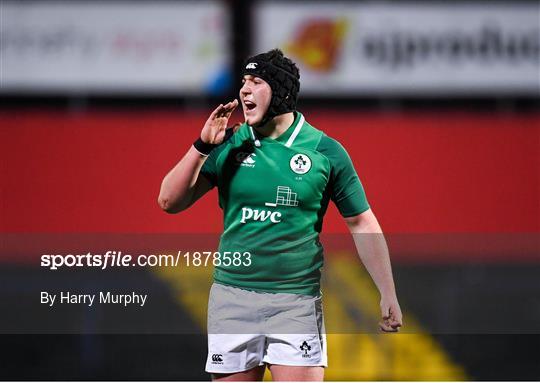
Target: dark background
point(441, 165)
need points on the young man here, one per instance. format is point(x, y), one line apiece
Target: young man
point(275, 175)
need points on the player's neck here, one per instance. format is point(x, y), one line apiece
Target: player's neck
point(277, 126)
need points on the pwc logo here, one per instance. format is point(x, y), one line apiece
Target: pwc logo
point(285, 196)
point(260, 215)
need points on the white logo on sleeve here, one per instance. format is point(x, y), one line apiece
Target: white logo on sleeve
point(300, 163)
point(251, 66)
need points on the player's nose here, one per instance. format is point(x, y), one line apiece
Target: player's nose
point(245, 89)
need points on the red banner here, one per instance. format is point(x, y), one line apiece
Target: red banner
point(423, 173)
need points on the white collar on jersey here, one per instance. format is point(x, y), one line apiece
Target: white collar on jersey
point(291, 138)
point(296, 131)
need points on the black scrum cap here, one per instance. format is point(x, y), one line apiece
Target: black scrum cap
point(283, 77)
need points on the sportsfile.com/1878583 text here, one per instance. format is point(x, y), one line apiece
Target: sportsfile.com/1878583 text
point(118, 259)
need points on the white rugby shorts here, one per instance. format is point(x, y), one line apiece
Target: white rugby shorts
point(247, 329)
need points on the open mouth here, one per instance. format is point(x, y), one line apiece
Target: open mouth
point(250, 105)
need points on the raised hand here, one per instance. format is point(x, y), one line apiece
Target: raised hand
point(213, 131)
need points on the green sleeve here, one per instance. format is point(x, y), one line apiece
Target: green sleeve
point(209, 168)
point(345, 188)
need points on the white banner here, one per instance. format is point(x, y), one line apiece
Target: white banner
point(118, 46)
point(400, 48)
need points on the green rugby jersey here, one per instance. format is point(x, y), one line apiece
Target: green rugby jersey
point(274, 197)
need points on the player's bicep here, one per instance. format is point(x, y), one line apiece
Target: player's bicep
point(365, 222)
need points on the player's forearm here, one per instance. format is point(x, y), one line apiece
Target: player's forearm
point(373, 251)
point(178, 186)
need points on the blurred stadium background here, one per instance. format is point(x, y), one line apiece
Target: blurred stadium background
point(436, 102)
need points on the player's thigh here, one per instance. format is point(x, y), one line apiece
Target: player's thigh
point(297, 373)
point(254, 374)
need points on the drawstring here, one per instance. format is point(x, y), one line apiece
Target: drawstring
point(255, 140)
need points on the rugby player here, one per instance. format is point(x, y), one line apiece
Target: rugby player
point(276, 175)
